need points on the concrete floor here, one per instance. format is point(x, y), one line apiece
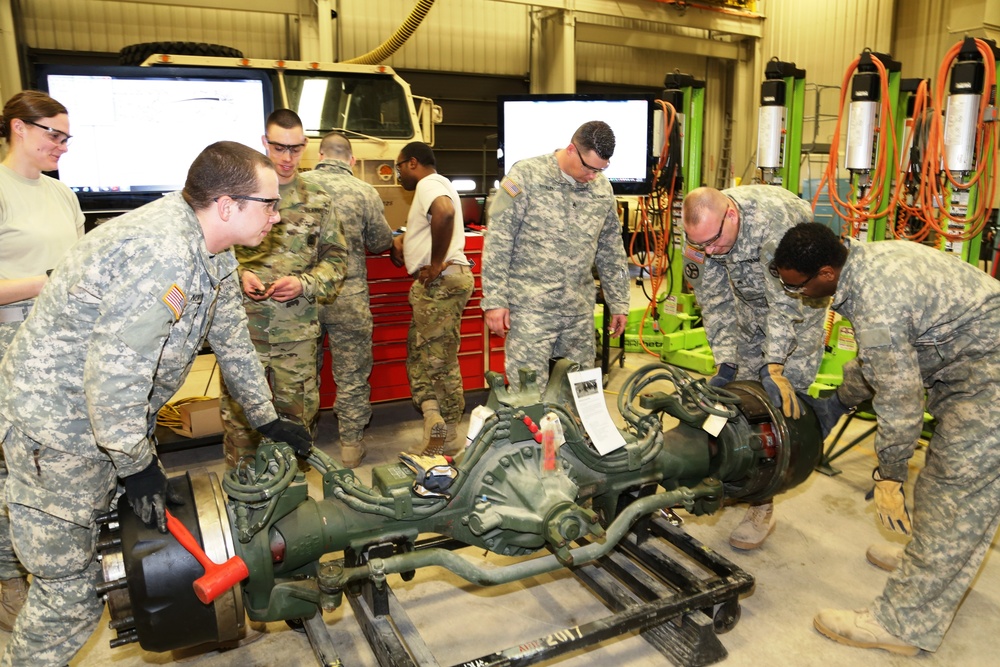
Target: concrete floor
point(813, 560)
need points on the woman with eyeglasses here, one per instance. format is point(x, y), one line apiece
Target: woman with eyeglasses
point(40, 218)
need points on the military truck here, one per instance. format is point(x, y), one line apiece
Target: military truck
point(130, 122)
point(370, 104)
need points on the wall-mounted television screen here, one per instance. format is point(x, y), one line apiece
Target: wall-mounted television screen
point(136, 130)
point(531, 125)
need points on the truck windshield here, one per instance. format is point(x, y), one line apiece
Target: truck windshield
point(366, 104)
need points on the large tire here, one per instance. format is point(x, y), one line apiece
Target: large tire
point(136, 54)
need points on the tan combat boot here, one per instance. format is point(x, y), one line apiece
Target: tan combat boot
point(861, 629)
point(14, 593)
point(435, 430)
point(352, 452)
point(885, 555)
point(755, 527)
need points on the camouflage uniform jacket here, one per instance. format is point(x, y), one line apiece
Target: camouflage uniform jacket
point(766, 213)
point(918, 315)
point(115, 331)
point(308, 242)
point(362, 213)
point(545, 235)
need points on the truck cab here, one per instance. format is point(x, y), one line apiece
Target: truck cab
point(370, 104)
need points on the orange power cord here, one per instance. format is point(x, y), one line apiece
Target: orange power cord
point(930, 204)
point(856, 212)
point(656, 233)
point(933, 207)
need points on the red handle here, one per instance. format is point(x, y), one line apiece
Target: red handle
point(186, 540)
point(218, 578)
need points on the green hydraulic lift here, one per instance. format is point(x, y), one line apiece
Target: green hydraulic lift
point(779, 124)
point(863, 151)
point(965, 90)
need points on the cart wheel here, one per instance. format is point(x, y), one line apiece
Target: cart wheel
point(726, 616)
point(299, 625)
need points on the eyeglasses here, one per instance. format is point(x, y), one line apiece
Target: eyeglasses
point(272, 204)
point(57, 137)
point(291, 149)
point(791, 289)
point(708, 242)
point(400, 163)
point(596, 170)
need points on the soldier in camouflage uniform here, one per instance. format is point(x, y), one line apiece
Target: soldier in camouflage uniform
point(348, 321)
point(299, 265)
point(552, 220)
point(923, 321)
point(40, 218)
point(756, 329)
point(433, 251)
point(111, 338)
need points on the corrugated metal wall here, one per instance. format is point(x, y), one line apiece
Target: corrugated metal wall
point(823, 37)
point(922, 38)
point(642, 67)
point(477, 36)
point(488, 37)
point(105, 26)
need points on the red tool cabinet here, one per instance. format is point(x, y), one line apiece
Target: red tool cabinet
point(389, 288)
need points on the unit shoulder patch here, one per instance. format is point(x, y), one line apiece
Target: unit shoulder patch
point(175, 300)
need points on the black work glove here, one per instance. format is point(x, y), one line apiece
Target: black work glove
point(148, 494)
point(725, 375)
point(283, 430)
point(828, 411)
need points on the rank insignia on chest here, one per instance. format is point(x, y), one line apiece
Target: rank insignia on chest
point(510, 187)
point(175, 300)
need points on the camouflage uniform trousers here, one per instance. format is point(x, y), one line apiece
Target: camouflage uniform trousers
point(535, 338)
point(291, 371)
point(433, 341)
point(956, 506)
point(63, 608)
point(800, 366)
point(348, 326)
point(10, 568)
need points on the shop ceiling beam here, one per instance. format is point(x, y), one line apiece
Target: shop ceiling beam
point(746, 26)
point(265, 6)
point(616, 36)
point(975, 18)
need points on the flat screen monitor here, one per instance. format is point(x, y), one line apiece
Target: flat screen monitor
point(136, 130)
point(531, 125)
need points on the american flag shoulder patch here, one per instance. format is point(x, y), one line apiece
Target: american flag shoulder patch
point(510, 187)
point(694, 255)
point(175, 300)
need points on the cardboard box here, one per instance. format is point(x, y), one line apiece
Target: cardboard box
point(199, 419)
